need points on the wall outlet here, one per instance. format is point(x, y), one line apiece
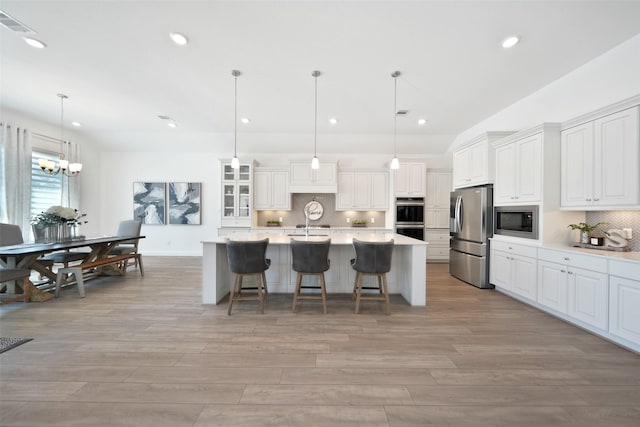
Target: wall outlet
point(348, 220)
point(373, 220)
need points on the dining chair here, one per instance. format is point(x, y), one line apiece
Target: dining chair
point(310, 258)
point(11, 234)
point(129, 227)
point(247, 258)
point(372, 259)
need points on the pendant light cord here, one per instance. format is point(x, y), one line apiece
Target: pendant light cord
point(395, 113)
point(235, 114)
point(315, 123)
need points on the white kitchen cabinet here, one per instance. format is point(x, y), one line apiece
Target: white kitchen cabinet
point(236, 195)
point(410, 179)
point(363, 191)
point(514, 268)
point(436, 218)
point(624, 300)
point(303, 179)
point(438, 248)
point(600, 162)
point(271, 189)
point(518, 175)
point(473, 162)
point(437, 199)
point(552, 285)
point(586, 282)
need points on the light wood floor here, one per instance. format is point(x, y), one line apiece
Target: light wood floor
point(145, 352)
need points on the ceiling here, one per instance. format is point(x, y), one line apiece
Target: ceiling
point(116, 63)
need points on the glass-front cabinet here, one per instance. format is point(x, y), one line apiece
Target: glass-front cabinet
point(236, 195)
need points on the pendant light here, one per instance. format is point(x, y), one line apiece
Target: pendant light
point(315, 163)
point(49, 166)
point(235, 163)
point(395, 163)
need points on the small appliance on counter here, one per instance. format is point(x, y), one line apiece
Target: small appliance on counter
point(613, 240)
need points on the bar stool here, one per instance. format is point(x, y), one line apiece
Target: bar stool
point(247, 258)
point(372, 259)
point(310, 258)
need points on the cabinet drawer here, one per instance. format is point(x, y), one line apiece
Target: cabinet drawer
point(437, 252)
point(437, 237)
point(630, 270)
point(573, 259)
point(514, 248)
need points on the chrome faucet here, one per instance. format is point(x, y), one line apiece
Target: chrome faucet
point(306, 221)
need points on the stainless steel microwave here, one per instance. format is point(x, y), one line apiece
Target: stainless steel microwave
point(516, 221)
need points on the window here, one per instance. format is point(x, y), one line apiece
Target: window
point(46, 190)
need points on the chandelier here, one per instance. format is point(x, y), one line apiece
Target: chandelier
point(49, 166)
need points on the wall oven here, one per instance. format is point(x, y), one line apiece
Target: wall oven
point(516, 221)
point(410, 217)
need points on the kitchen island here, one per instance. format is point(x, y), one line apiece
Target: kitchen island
point(407, 276)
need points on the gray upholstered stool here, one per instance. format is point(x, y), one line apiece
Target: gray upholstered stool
point(310, 258)
point(247, 258)
point(372, 259)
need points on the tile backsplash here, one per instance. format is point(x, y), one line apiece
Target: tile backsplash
point(618, 219)
point(330, 216)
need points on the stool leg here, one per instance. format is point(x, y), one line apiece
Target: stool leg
point(260, 292)
point(232, 294)
point(386, 293)
point(138, 259)
point(77, 273)
point(296, 293)
point(324, 293)
point(358, 290)
point(264, 284)
point(59, 280)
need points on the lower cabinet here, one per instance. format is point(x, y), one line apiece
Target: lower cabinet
point(514, 268)
point(588, 297)
point(438, 248)
point(599, 293)
point(624, 300)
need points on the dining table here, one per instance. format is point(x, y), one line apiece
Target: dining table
point(27, 255)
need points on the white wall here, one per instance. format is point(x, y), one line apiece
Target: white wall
point(610, 78)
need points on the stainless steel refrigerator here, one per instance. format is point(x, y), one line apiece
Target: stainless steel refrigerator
point(471, 226)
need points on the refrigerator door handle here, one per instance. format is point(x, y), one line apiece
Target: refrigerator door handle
point(460, 213)
point(454, 219)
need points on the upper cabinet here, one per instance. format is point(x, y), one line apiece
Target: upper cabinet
point(236, 195)
point(518, 176)
point(303, 179)
point(410, 179)
point(601, 161)
point(363, 190)
point(473, 163)
point(271, 189)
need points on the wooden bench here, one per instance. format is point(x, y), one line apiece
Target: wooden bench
point(76, 270)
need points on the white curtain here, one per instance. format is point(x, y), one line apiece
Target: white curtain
point(15, 177)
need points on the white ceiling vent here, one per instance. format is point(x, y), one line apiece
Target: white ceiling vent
point(402, 112)
point(13, 24)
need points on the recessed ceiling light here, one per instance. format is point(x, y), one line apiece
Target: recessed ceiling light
point(510, 42)
point(179, 39)
point(422, 121)
point(34, 42)
point(333, 120)
point(76, 124)
point(172, 124)
point(245, 120)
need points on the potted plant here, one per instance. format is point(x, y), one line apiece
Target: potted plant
point(273, 223)
point(56, 223)
point(359, 223)
point(585, 230)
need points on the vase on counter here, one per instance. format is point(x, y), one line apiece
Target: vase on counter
point(584, 237)
point(46, 234)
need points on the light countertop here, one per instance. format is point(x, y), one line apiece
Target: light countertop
point(339, 238)
point(633, 256)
